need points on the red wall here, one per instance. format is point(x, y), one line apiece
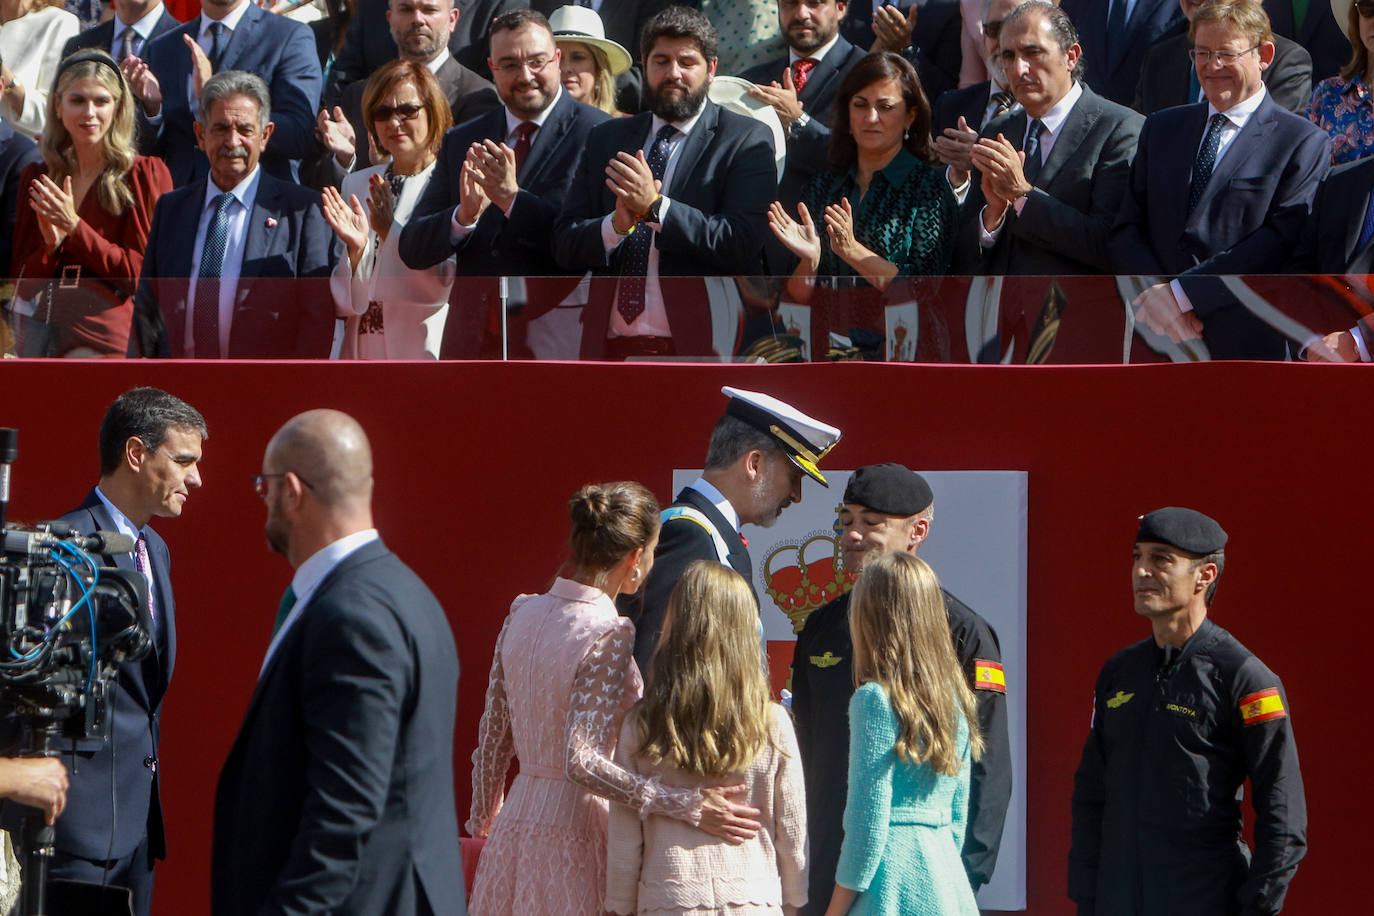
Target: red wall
point(475, 461)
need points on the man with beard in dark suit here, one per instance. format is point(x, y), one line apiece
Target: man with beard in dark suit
point(421, 30)
point(498, 184)
point(337, 795)
point(665, 198)
point(802, 86)
point(758, 452)
point(112, 831)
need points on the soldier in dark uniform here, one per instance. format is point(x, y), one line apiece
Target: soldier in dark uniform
point(887, 509)
point(754, 464)
point(1180, 721)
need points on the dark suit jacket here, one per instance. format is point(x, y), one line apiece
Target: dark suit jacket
point(935, 43)
point(723, 182)
point(970, 102)
point(624, 21)
point(1322, 36)
point(16, 153)
point(1164, 76)
point(807, 147)
point(1114, 76)
point(282, 305)
point(280, 50)
point(102, 36)
point(1331, 234)
point(518, 245)
point(1248, 220)
point(369, 43)
point(337, 795)
point(106, 773)
point(680, 541)
point(1064, 225)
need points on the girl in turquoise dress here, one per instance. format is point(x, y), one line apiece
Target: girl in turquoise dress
point(913, 733)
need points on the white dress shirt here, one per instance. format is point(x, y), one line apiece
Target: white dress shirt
point(245, 193)
point(653, 321)
point(310, 574)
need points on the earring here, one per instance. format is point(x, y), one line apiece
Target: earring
point(906, 134)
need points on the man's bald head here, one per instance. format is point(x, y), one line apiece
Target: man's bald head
point(328, 450)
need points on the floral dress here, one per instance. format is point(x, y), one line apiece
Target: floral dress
point(1346, 112)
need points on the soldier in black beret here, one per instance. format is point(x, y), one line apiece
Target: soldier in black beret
point(1180, 721)
point(888, 508)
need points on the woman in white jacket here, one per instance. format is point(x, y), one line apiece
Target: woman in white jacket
point(391, 311)
point(32, 33)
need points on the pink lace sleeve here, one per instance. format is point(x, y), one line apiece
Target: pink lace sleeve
point(495, 748)
point(593, 724)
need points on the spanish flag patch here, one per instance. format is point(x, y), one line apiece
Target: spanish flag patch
point(1262, 706)
point(989, 676)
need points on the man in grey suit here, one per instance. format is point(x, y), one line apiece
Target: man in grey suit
point(1168, 77)
point(662, 199)
point(1222, 187)
point(237, 264)
point(337, 795)
point(1052, 213)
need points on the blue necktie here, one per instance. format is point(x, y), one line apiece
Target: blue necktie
point(205, 315)
point(1206, 160)
point(1367, 231)
point(1031, 168)
point(1116, 28)
point(216, 45)
point(634, 263)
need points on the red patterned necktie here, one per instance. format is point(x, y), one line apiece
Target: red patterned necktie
point(522, 142)
point(801, 72)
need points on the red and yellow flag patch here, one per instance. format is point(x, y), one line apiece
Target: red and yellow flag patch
point(989, 676)
point(1262, 706)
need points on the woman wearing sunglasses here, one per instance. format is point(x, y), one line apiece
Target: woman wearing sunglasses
point(391, 311)
point(1342, 105)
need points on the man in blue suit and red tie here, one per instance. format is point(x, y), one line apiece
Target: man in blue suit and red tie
point(112, 829)
point(1219, 187)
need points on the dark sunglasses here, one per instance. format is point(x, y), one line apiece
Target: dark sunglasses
point(1365, 8)
point(994, 29)
point(404, 112)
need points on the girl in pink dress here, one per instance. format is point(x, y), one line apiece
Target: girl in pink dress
point(706, 721)
point(562, 676)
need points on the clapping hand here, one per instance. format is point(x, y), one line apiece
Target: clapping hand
point(782, 97)
point(798, 236)
point(383, 205)
point(472, 200)
point(493, 165)
point(337, 135)
point(143, 84)
point(635, 188)
point(893, 28)
point(839, 225)
point(201, 71)
point(55, 208)
point(953, 148)
point(348, 220)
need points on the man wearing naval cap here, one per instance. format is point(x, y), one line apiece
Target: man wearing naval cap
point(758, 452)
point(888, 508)
point(1180, 721)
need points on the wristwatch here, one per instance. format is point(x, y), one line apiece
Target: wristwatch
point(652, 216)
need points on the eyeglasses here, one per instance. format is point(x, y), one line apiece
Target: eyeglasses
point(1225, 58)
point(260, 482)
point(993, 29)
point(405, 111)
point(1365, 8)
point(533, 64)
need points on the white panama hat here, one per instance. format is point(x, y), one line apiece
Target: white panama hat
point(732, 94)
point(580, 24)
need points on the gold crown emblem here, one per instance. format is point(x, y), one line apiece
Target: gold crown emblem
point(800, 587)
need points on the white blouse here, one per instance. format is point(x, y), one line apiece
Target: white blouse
point(32, 48)
point(412, 303)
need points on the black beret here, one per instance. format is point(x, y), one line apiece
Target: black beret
point(1186, 529)
point(888, 488)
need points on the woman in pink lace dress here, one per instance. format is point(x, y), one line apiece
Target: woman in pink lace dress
point(562, 676)
point(707, 720)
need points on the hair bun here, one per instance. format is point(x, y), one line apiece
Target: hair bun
point(590, 506)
